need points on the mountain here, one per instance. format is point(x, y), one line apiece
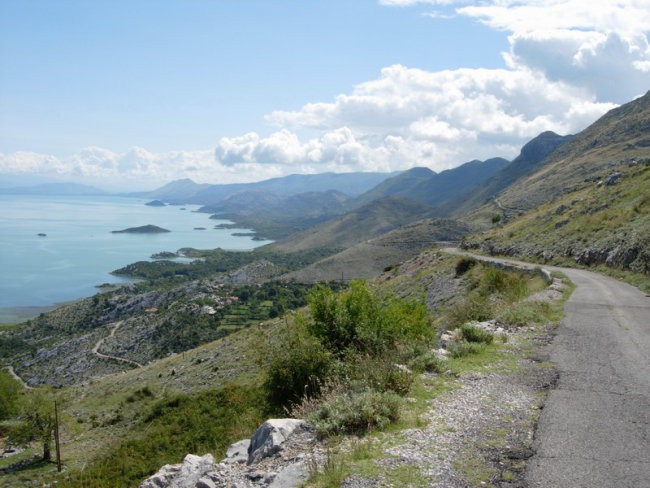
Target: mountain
point(588, 202)
point(54, 189)
point(434, 189)
point(186, 191)
point(532, 155)
point(622, 133)
point(398, 185)
point(175, 192)
point(372, 220)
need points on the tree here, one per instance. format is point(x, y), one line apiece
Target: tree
point(9, 394)
point(37, 412)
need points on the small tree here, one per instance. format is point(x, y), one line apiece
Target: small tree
point(37, 412)
point(9, 394)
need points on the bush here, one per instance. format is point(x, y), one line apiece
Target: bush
point(462, 349)
point(527, 313)
point(474, 308)
point(463, 265)
point(359, 320)
point(510, 285)
point(428, 362)
point(378, 374)
point(355, 413)
point(296, 365)
point(472, 333)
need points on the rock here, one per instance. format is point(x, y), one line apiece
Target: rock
point(269, 437)
point(205, 482)
point(293, 475)
point(561, 209)
point(237, 452)
point(185, 475)
point(612, 179)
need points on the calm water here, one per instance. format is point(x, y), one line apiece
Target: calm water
point(80, 251)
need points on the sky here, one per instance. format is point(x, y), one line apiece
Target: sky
point(134, 94)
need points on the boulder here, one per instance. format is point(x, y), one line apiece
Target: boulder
point(269, 437)
point(612, 179)
point(185, 475)
point(237, 452)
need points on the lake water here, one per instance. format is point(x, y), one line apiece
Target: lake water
point(79, 250)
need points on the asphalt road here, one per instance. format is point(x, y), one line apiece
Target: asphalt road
point(594, 430)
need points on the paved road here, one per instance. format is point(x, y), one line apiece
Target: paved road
point(594, 431)
point(595, 428)
point(100, 355)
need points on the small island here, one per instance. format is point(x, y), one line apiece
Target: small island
point(40, 234)
point(156, 203)
point(144, 229)
point(199, 228)
point(165, 255)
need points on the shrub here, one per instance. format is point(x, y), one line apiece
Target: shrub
point(379, 374)
point(359, 320)
point(355, 413)
point(527, 313)
point(463, 265)
point(428, 362)
point(510, 285)
point(473, 308)
point(462, 349)
point(296, 364)
point(472, 333)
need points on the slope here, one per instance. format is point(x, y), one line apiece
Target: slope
point(588, 204)
point(358, 225)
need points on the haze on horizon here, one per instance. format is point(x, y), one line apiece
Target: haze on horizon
point(134, 95)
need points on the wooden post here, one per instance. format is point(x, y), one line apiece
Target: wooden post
point(56, 437)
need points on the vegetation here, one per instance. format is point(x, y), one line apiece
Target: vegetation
point(9, 395)
point(345, 349)
point(199, 423)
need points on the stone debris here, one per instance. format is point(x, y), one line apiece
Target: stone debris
point(278, 455)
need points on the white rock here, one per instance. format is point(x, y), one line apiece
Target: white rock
point(237, 452)
point(269, 437)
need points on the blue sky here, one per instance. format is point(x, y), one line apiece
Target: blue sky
point(237, 90)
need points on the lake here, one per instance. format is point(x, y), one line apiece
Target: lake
point(79, 250)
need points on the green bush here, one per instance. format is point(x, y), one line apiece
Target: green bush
point(462, 349)
point(473, 308)
point(377, 373)
point(296, 364)
point(527, 313)
point(428, 362)
point(472, 333)
point(359, 320)
point(355, 413)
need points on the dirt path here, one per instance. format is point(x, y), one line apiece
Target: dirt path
point(15, 376)
point(99, 343)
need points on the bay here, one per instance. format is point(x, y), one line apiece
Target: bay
point(79, 251)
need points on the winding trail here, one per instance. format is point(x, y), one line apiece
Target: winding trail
point(594, 430)
point(99, 343)
point(15, 376)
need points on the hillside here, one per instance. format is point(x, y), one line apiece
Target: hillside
point(532, 155)
point(358, 225)
point(620, 135)
point(370, 258)
point(588, 203)
point(435, 189)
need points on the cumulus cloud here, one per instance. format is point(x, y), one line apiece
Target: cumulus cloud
point(136, 168)
point(568, 62)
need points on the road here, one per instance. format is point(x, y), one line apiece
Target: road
point(594, 430)
point(99, 343)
